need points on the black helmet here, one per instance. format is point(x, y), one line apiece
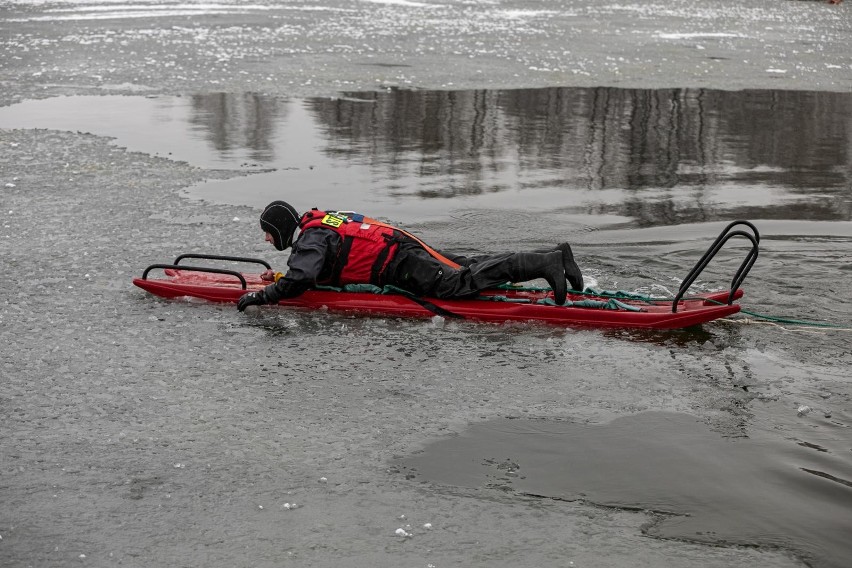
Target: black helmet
point(280, 220)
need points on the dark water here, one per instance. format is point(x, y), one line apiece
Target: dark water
point(705, 487)
point(604, 155)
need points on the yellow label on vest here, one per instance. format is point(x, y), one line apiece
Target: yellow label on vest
point(333, 220)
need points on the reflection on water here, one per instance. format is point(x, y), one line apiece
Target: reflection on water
point(749, 491)
point(605, 137)
point(232, 123)
point(680, 155)
point(647, 157)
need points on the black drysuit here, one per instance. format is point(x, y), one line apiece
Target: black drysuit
point(413, 269)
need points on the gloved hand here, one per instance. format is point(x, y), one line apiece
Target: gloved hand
point(251, 299)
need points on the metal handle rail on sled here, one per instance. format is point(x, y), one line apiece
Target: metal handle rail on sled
point(177, 266)
point(720, 241)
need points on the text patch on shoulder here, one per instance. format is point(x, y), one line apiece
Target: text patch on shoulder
point(333, 220)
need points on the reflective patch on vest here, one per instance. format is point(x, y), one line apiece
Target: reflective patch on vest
point(333, 220)
point(365, 226)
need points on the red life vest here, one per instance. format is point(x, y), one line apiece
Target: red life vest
point(367, 249)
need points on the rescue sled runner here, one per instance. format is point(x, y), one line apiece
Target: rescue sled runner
point(590, 308)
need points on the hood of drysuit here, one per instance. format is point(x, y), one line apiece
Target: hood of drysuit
point(280, 220)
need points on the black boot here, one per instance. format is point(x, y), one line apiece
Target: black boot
point(572, 271)
point(523, 266)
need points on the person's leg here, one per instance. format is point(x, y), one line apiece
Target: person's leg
point(572, 270)
point(521, 267)
point(417, 271)
point(469, 260)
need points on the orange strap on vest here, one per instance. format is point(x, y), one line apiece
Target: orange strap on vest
point(426, 247)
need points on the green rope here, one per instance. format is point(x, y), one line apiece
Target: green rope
point(788, 321)
point(611, 304)
point(615, 294)
point(795, 321)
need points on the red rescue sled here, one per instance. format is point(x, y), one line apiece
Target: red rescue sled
point(589, 309)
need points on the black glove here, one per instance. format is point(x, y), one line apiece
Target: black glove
point(252, 299)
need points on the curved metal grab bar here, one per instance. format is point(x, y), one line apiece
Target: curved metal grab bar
point(702, 263)
point(220, 257)
point(196, 269)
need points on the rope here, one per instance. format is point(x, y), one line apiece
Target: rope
point(772, 320)
point(802, 325)
point(779, 320)
point(767, 319)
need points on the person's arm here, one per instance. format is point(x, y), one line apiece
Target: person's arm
point(305, 266)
